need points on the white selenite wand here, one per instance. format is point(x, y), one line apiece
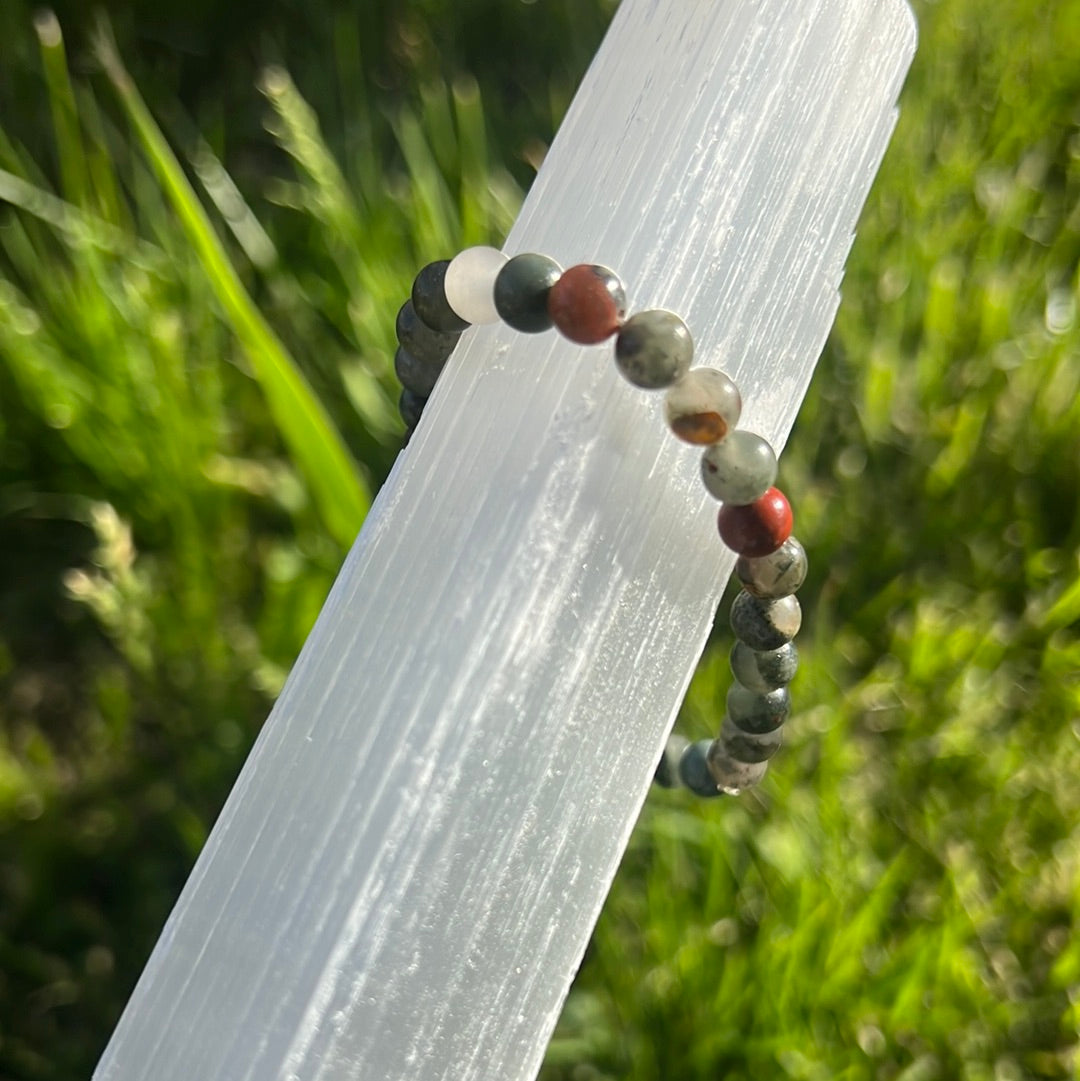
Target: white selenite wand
point(403, 881)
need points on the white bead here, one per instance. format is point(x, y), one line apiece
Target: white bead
point(470, 284)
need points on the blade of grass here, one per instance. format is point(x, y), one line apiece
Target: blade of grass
point(339, 492)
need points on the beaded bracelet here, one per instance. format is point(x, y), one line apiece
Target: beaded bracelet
point(653, 350)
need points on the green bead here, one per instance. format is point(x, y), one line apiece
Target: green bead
point(654, 349)
point(521, 291)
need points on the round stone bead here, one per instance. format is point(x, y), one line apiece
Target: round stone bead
point(730, 776)
point(411, 405)
point(758, 528)
point(694, 771)
point(757, 713)
point(765, 624)
point(429, 299)
point(703, 406)
point(587, 304)
point(778, 574)
point(667, 769)
point(749, 747)
point(764, 670)
point(521, 291)
point(470, 284)
point(654, 349)
point(417, 375)
point(427, 345)
point(739, 469)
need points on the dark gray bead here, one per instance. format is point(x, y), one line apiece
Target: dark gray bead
point(411, 406)
point(776, 575)
point(429, 300)
point(765, 624)
point(754, 712)
point(732, 776)
point(764, 670)
point(654, 349)
point(749, 747)
point(667, 769)
point(694, 770)
point(521, 291)
point(419, 376)
point(425, 344)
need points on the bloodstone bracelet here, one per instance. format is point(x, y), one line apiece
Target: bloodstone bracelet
point(653, 350)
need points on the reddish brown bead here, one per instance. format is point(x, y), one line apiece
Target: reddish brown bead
point(759, 528)
point(587, 304)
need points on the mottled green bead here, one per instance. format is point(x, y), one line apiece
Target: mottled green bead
point(739, 469)
point(778, 574)
point(521, 291)
point(654, 349)
point(765, 624)
point(694, 770)
point(411, 406)
point(764, 670)
point(703, 406)
point(729, 775)
point(430, 303)
point(419, 339)
point(749, 747)
point(757, 711)
point(667, 769)
point(419, 376)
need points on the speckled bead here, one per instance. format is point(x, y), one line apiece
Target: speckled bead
point(694, 771)
point(667, 769)
point(757, 713)
point(411, 406)
point(758, 528)
point(739, 469)
point(521, 291)
point(653, 349)
point(470, 282)
point(749, 747)
point(417, 375)
point(587, 303)
point(765, 624)
point(730, 776)
point(778, 574)
point(764, 670)
point(429, 300)
point(703, 406)
point(427, 345)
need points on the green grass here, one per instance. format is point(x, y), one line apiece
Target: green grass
point(196, 400)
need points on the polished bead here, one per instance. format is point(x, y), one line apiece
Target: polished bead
point(470, 284)
point(758, 528)
point(755, 712)
point(654, 349)
point(667, 769)
point(739, 469)
point(778, 574)
point(411, 405)
point(732, 777)
point(419, 376)
point(749, 747)
point(430, 346)
point(764, 670)
point(765, 624)
point(429, 299)
point(703, 406)
point(521, 291)
point(694, 771)
point(587, 304)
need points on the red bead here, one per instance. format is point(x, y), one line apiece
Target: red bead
point(759, 528)
point(587, 304)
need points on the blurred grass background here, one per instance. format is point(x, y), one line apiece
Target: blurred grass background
point(196, 404)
